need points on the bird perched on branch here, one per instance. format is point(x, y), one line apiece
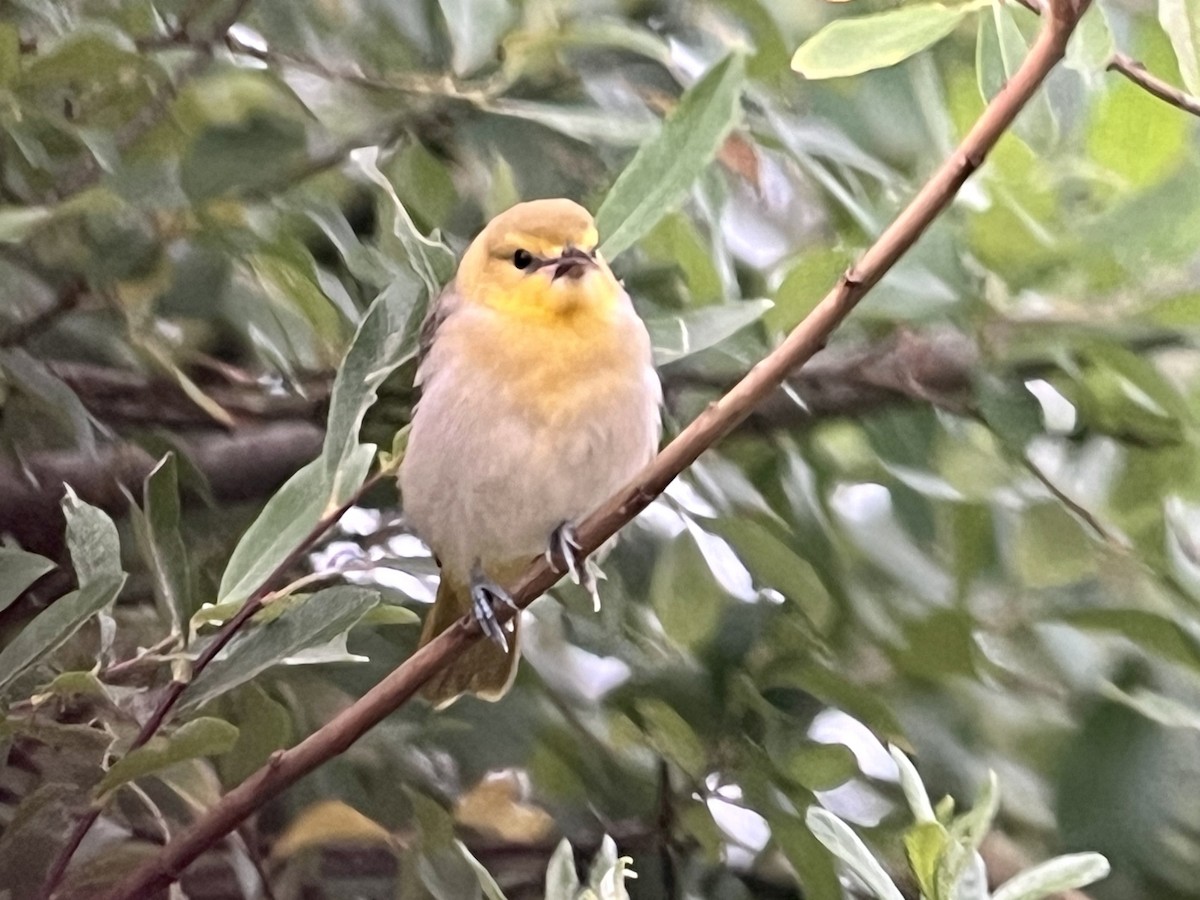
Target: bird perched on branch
point(538, 401)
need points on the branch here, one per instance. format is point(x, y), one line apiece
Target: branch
point(286, 767)
point(245, 463)
point(68, 298)
point(1136, 72)
point(120, 396)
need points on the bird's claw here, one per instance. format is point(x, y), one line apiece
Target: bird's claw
point(485, 595)
point(565, 544)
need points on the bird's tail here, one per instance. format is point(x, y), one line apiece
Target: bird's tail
point(483, 669)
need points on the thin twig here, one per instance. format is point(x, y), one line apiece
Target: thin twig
point(68, 298)
point(1168, 93)
point(1137, 73)
point(1081, 512)
point(286, 767)
point(175, 689)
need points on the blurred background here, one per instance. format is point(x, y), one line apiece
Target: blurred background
point(971, 527)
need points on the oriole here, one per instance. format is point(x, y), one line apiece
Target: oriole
point(538, 401)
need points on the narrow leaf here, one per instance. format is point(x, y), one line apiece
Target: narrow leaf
point(18, 570)
point(665, 167)
point(1063, 873)
point(862, 43)
point(156, 528)
point(1180, 19)
point(55, 625)
point(430, 259)
point(92, 540)
point(675, 337)
point(285, 521)
point(305, 622)
point(562, 879)
point(491, 890)
point(200, 737)
point(849, 848)
point(913, 787)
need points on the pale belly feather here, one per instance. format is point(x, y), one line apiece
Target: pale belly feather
point(497, 461)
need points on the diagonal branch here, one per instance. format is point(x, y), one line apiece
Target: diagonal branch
point(715, 422)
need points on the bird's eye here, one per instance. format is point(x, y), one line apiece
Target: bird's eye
point(522, 259)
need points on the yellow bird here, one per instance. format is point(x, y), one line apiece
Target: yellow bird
point(538, 401)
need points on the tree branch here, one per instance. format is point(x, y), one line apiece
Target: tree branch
point(238, 465)
point(286, 767)
point(1136, 72)
point(68, 298)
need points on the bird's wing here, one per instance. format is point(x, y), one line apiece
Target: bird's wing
point(441, 309)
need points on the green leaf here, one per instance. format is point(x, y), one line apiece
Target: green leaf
point(665, 167)
point(1164, 710)
point(52, 627)
point(821, 767)
point(1092, 43)
point(913, 787)
point(582, 123)
point(924, 845)
point(264, 726)
point(156, 529)
point(1000, 50)
point(18, 570)
point(10, 53)
point(562, 879)
point(849, 848)
point(675, 337)
point(430, 259)
point(44, 816)
point(1157, 634)
point(385, 338)
point(972, 827)
point(96, 554)
point(1063, 873)
point(862, 43)
point(200, 737)
point(49, 394)
point(1009, 409)
point(92, 540)
point(286, 520)
point(809, 279)
point(491, 890)
point(671, 736)
point(306, 621)
point(18, 222)
point(1180, 19)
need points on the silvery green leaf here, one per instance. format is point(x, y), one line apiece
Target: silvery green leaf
point(843, 843)
point(1063, 873)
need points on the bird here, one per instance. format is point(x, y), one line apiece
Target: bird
point(538, 400)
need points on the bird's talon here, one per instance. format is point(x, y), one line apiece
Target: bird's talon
point(485, 595)
point(565, 546)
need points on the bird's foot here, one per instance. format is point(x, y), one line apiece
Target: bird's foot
point(485, 596)
point(584, 572)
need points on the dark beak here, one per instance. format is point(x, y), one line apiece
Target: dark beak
point(572, 264)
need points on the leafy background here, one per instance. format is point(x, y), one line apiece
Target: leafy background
point(969, 528)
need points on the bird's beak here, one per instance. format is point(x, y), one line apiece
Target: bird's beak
point(573, 263)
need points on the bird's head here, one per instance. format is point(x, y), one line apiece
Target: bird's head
point(538, 259)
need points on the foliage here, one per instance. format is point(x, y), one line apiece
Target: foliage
point(969, 529)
